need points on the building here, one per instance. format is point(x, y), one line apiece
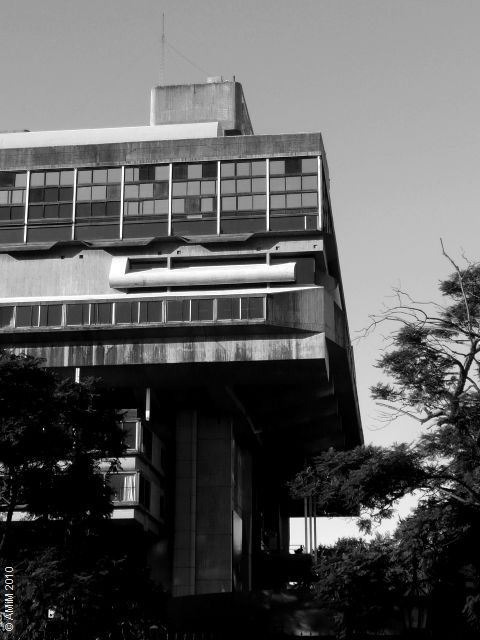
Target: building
point(193, 266)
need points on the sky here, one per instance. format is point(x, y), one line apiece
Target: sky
point(391, 84)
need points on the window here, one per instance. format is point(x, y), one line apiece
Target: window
point(6, 316)
point(244, 187)
point(201, 310)
point(50, 315)
point(101, 313)
point(252, 308)
point(147, 442)
point(146, 190)
point(145, 491)
point(129, 428)
point(228, 308)
point(126, 312)
point(151, 311)
point(178, 310)
point(51, 195)
point(293, 185)
point(77, 314)
point(12, 196)
point(194, 190)
point(98, 192)
point(27, 316)
point(123, 487)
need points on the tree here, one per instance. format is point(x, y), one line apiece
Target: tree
point(432, 362)
point(53, 435)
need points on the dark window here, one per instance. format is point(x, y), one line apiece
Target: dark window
point(27, 316)
point(101, 313)
point(130, 434)
point(77, 314)
point(147, 173)
point(252, 308)
point(160, 189)
point(65, 193)
point(178, 310)
point(7, 179)
point(126, 312)
point(209, 170)
point(179, 172)
point(202, 309)
point(147, 441)
point(37, 195)
point(50, 315)
point(151, 311)
point(6, 316)
point(228, 308)
point(293, 166)
point(144, 492)
point(192, 204)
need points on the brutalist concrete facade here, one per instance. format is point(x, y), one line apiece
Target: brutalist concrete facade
point(199, 277)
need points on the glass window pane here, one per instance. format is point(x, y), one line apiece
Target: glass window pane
point(130, 434)
point(179, 171)
point(293, 165)
point(244, 186)
point(77, 314)
point(112, 208)
point(194, 171)
point(178, 205)
point(7, 179)
point(277, 184)
point(66, 178)
point(131, 208)
point(151, 311)
point(259, 185)
point(192, 204)
point(27, 316)
point(160, 190)
point(65, 194)
point(17, 213)
point(202, 310)
point(309, 200)
point(178, 310)
point(209, 170)
point(65, 211)
point(228, 308)
point(126, 312)
point(131, 174)
point(37, 179)
point(131, 191)
point(113, 192)
point(84, 193)
point(51, 211)
point(294, 200)
point(51, 195)
point(52, 178)
point(114, 175)
point(309, 165)
point(35, 212)
point(98, 209)
point(229, 204)
point(50, 315)
point(193, 188)
point(82, 211)
point(101, 313)
point(84, 176)
point(146, 172)
point(161, 206)
point(277, 202)
point(21, 180)
point(260, 202)
point(18, 196)
point(208, 187)
point(208, 205)
point(293, 184)
point(99, 176)
point(99, 193)
point(228, 186)
point(179, 189)
point(146, 191)
point(4, 197)
point(6, 316)
point(162, 172)
point(252, 308)
point(148, 208)
point(259, 168)
point(245, 203)
point(227, 169)
point(309, 182)
point(277, 167)
point(243, 168)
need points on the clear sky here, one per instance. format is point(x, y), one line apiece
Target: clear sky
point(391, 84)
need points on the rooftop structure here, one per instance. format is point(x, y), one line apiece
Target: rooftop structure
point(193, 266)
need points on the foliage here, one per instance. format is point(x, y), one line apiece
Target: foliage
point(432, 362)
point(53, 435)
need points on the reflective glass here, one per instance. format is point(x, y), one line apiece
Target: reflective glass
point(228, 186)
point(208, 187)
point(209, 170)
point(101, 313)
point(194, 171)
point(98, 209)
point(37, 179)
point(65, 211)
point(228, 308)
point(50, 315)
point(84, 176)
point(245, 203)
point(243, 168)
point(309, 200)
point(83, 193)
point(193, 188)
point(131, 174)
point(178, 310)
point(244, 186)
point(151, 311)
point(293, 184)
point(146, 191)
point(131, 191)
point(126, 312)
point(21, 180)
point(27, 316)
point(309, 165)
point(309, 182)
point(51, 211)
point(6, 316)
point(277, 202)
point(115, 174)
point(161, 206)
point(99, 193)
point(252, 308)
point(160, 190)
point(259, 184)
point(18, 196)
point(202, 310)
point(294, 200)
point(208, 205)
point(258, 168)
point(260, 202)
point(52, 178)
point(162, 172)
point(179, 171)
point(4, 197)
point(51, 195)
point(229, 204)
point(227, 169)
point(148, 208)
point(131, 208)
point(179, 189)
point(277, 167)
point(99, 176)
point(277, 184)
point(66, 178)
point(178, 205)
point(65, 194)
point(113, 192)
point(82, 211)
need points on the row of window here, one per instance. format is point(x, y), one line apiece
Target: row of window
point(132, 312)
point(150, 182)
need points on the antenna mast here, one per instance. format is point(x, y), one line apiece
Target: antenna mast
point(162, 53)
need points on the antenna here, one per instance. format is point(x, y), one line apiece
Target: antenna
point(162, 53)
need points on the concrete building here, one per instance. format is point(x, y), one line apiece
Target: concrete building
point(193, 266)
